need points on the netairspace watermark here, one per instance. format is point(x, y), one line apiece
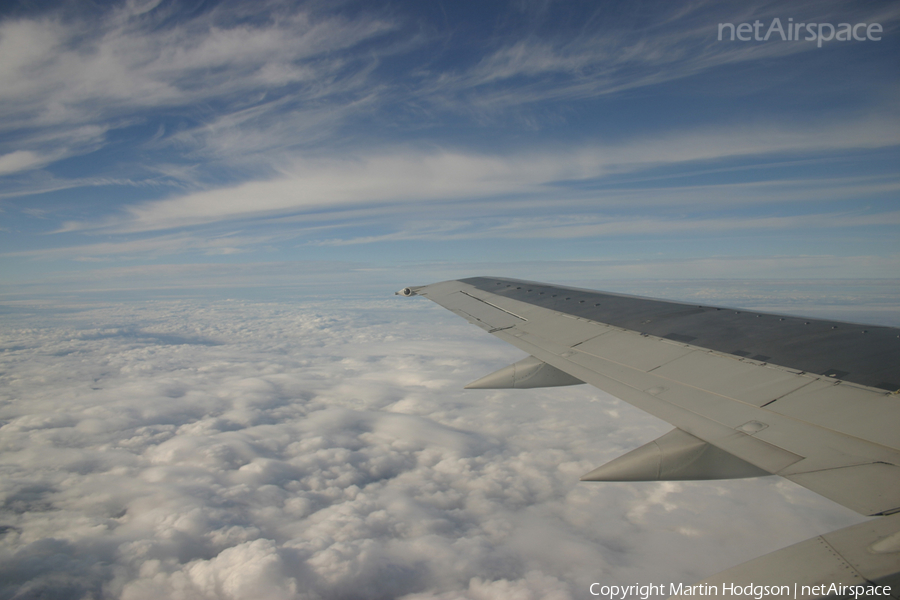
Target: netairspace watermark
point(757, 592)
point(794, 32)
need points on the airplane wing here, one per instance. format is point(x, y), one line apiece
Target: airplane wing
point(749, 393)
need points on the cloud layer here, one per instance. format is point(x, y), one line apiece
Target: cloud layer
point(275, 450)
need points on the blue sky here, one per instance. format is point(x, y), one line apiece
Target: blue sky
point(240, 144)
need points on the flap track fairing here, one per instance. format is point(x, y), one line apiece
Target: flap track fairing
point(527, 373)
point(676, 456)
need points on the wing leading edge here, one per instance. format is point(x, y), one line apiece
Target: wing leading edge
point(749, 393)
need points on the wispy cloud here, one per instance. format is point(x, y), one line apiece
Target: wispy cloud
point(86, 70)
point(233, 87)
point(623, 51)
point(407, 177)
point(21, 160)
point(596, 226)
point(77, 75)
point(156, 246)
point(457, 225)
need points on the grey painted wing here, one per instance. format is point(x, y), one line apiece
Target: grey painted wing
point(811, 400)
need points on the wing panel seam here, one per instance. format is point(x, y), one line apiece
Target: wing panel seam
point(512, 314)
